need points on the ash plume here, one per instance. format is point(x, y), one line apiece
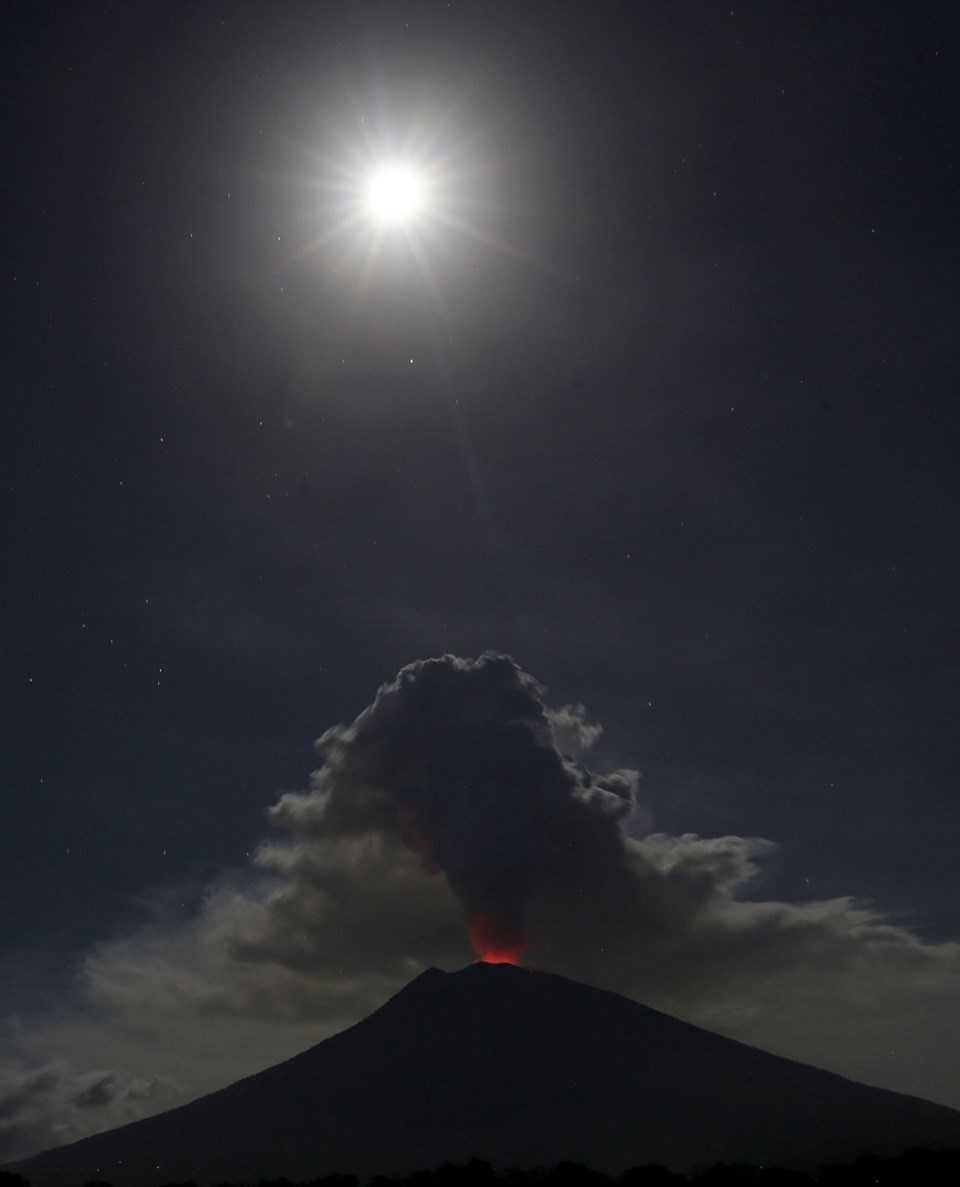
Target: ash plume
point(459, 760)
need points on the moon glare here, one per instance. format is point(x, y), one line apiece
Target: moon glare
point(395, 195)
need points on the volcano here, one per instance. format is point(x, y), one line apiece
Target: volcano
point(517, 1067)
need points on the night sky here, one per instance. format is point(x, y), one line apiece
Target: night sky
point(661, 404)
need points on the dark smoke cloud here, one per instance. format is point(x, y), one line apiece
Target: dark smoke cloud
point(459, 760)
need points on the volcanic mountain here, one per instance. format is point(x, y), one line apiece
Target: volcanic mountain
point(517, 1067)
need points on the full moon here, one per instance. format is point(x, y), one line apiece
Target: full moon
point(395, 195)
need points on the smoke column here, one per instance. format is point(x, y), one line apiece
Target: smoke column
point(459, 759)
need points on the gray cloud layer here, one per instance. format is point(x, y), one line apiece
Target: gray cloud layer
point(54, 1104)
point(460, 793)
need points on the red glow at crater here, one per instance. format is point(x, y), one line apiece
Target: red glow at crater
point(494, 944)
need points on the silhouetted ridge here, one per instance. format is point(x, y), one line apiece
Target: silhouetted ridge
point(520, 1067)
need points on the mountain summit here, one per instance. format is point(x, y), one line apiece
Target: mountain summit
point(515, 1066)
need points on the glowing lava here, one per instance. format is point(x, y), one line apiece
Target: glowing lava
point(493, 943)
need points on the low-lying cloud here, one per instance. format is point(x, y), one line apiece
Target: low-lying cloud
point(457, 794)
point(54, 1104)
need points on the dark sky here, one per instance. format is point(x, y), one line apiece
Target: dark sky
point(673, 423)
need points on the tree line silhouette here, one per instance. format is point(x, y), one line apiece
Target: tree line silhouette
point(915, 1168)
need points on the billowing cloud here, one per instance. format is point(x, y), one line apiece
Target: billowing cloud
point(460, 794)
point(574, 733)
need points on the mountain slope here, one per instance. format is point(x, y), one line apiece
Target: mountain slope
point(516, 1066)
